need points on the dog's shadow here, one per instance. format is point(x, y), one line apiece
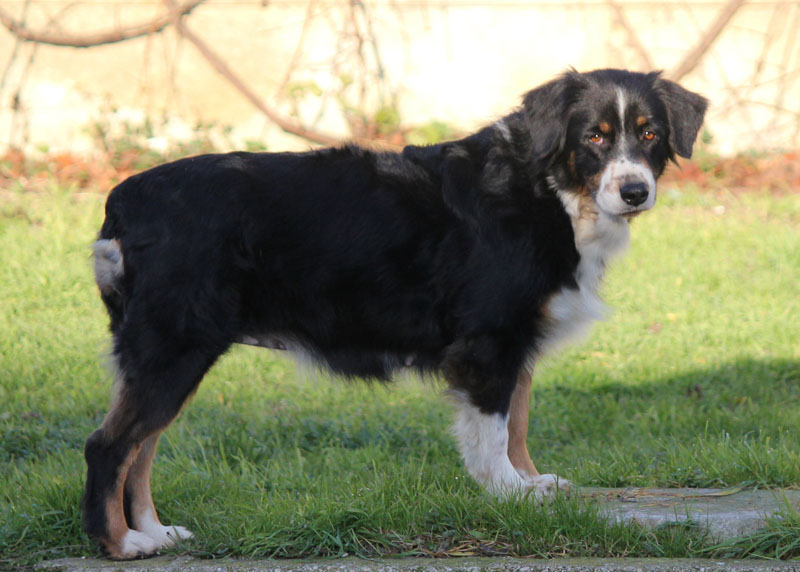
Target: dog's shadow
point(707, 426)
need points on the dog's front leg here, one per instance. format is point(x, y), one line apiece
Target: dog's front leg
point(518, 427)
point(483, 439)
point(518, 413)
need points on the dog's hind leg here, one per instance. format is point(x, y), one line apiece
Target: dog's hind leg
point(150, 393)
point(108, 462)
point(140, 511)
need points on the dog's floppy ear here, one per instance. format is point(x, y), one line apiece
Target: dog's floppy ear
point(685, 112)
point(546, 111)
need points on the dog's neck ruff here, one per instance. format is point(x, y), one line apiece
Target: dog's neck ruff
point(598, 237)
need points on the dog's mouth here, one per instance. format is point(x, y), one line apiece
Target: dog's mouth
point(632, 214)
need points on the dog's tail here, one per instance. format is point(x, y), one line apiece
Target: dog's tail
point(108, 273)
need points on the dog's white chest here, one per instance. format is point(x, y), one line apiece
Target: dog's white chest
point(571, 311)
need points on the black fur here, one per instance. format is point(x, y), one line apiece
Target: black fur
point(368, 260)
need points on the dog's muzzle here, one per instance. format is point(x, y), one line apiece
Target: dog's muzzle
point(626, 187)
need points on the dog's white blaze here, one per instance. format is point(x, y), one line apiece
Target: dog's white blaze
point(483, 441)
point(621, 105)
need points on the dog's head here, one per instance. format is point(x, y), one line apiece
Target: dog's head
point(609, 133)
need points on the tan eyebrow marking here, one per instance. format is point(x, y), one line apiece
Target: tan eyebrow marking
point(605, 128)
point(641, 120)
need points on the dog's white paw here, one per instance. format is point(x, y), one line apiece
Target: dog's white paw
point(135, 544)
point(167, 535)
point(547, 487)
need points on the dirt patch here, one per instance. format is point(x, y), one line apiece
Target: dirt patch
point(777, 173)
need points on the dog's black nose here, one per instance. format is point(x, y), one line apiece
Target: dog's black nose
point(634, 193)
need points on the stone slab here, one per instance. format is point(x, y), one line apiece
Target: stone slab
point(726, 513)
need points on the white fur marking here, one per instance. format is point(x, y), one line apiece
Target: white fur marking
point(572, 310)
point(621, 106)
point(107, 264)
point(547, 486)
point(483, 441)
point(503, 129)
point(149, 524)
point(609, 199)
point(569, 200)
point(135, 544)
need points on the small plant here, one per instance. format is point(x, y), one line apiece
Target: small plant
point(432, 132)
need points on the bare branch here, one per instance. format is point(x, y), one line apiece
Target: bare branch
point(633, 38)
point(298, 50)
point(373, 40)
point(66, 39)
point(222, 68)
point(693, 58)
point(15, 51)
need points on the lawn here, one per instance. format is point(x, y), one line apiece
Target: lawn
point(694, 380)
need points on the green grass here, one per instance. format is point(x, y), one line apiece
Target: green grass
point(693, 381)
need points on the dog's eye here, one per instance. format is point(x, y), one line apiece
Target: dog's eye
point(648, 135)
point(596, 138)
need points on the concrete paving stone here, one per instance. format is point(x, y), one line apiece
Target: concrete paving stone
point(726, 513)
point(186, 564)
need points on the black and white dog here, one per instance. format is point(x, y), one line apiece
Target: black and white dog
point(467, 259)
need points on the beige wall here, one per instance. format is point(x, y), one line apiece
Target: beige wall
point(460, 61)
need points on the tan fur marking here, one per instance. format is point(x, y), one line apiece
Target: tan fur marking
point(583, 212)
point(584, 225)
point(605, 128)
point(138, 482)
point(518, 427)
point(587, 208)
point(115, 514)
point(641, 120)
point(545, 312)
